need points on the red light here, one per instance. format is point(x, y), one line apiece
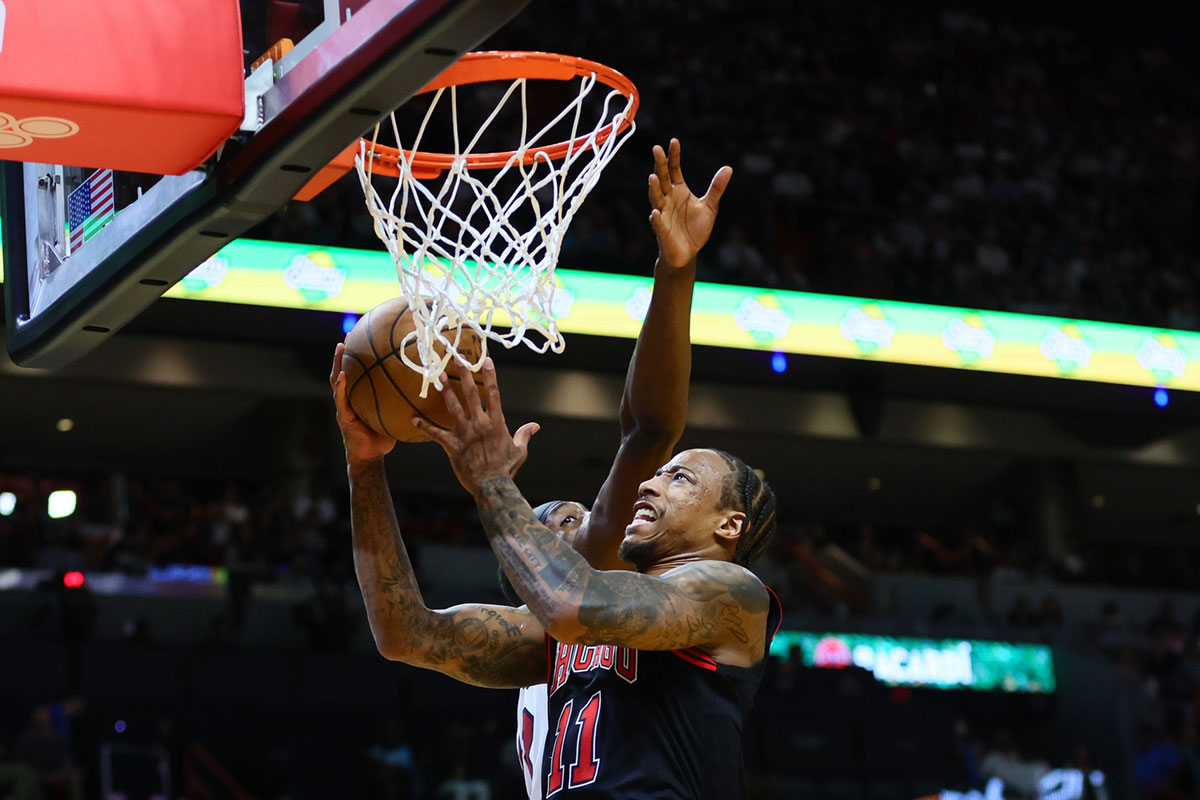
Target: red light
point(832, 652)
point(73, 580)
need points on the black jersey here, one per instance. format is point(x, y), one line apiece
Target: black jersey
point(639, 724)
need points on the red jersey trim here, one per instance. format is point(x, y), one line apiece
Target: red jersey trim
point(705, 657)
point(704, 662)
point(778, 622)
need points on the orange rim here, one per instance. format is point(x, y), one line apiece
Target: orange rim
point(506, 65)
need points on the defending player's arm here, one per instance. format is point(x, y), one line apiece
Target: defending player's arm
point(718, 606)
point(654, 403)
point(492, 646)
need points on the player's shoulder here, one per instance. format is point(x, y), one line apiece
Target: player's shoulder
point(710, 580)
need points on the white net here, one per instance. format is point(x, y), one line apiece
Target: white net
point(461, 258)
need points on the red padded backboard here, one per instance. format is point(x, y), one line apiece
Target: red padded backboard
point(136, 85)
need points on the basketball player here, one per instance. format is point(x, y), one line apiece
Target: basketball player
point(498, 646)
point(652, 415)
point(653, 408)
point(649, 674)
point(653, 411)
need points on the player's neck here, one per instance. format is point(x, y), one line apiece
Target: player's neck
point(674, 561)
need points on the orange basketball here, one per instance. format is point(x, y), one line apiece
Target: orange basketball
point(383, 391)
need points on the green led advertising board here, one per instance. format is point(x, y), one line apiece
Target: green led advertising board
point(930, 663)
point(348, 280)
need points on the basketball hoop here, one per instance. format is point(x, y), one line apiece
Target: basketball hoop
point(475, 268)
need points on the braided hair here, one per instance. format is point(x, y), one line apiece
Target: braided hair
point(745, 491)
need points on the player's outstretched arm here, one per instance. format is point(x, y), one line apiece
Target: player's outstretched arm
point(492, 646)
point(654, 403)
point(718, 606)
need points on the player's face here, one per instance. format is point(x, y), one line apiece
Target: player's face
point(566, 519)
point(678, 509)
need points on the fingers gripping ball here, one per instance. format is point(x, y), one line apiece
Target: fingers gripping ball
point(382, 390)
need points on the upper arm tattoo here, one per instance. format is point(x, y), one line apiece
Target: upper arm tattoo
point(706, 603)
point(492, 646)
point(703, 603)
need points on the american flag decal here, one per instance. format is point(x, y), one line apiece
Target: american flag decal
point(90, 207)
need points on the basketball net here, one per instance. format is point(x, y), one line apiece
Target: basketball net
point(481, 271)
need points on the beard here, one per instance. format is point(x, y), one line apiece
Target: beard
point(639, 553)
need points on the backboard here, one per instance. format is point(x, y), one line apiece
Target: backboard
point(85, 249)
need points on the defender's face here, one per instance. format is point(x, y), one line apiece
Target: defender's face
point(566, 519)
point(678, 508)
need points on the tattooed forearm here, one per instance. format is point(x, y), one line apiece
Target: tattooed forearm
point(547, 573)
point(385, 575)
point(488, 646)
point(704, 603)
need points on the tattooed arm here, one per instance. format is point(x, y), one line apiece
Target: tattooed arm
point(484, 645)
point(716, 606)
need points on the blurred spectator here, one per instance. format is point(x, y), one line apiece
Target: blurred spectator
point(464, 764)
point(18, 780)
point(74, 612)
point(136, 632)
point(49, 754)
point(1108, 631)
point(1051, 614)
point(167, 738)
point(394, 766)
point(738, 261)
point(966, 750)
point(228, 518)
point(326, 617)
point(1164, 624)
point(1021, 615)
point(1081, 759)
point(1004, 761)
point(1166, 770)
point(246, 562)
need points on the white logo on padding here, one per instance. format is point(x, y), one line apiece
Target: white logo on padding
point(3, 19)
point(21, 132)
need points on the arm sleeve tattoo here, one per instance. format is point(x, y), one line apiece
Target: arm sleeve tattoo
point(705, 603)
point(483, 645)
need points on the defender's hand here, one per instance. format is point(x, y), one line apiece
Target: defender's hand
point(681, 221)
point(363, 445)
point(478, 442)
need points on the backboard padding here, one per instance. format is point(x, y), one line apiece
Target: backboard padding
point(363, 68)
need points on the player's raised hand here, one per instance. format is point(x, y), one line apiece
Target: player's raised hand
point(681, 221)
point(478, 442)
point(363, 445)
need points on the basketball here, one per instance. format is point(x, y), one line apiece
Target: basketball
point(383, 391)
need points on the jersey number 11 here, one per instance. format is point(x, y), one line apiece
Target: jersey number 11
point(587, 760)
